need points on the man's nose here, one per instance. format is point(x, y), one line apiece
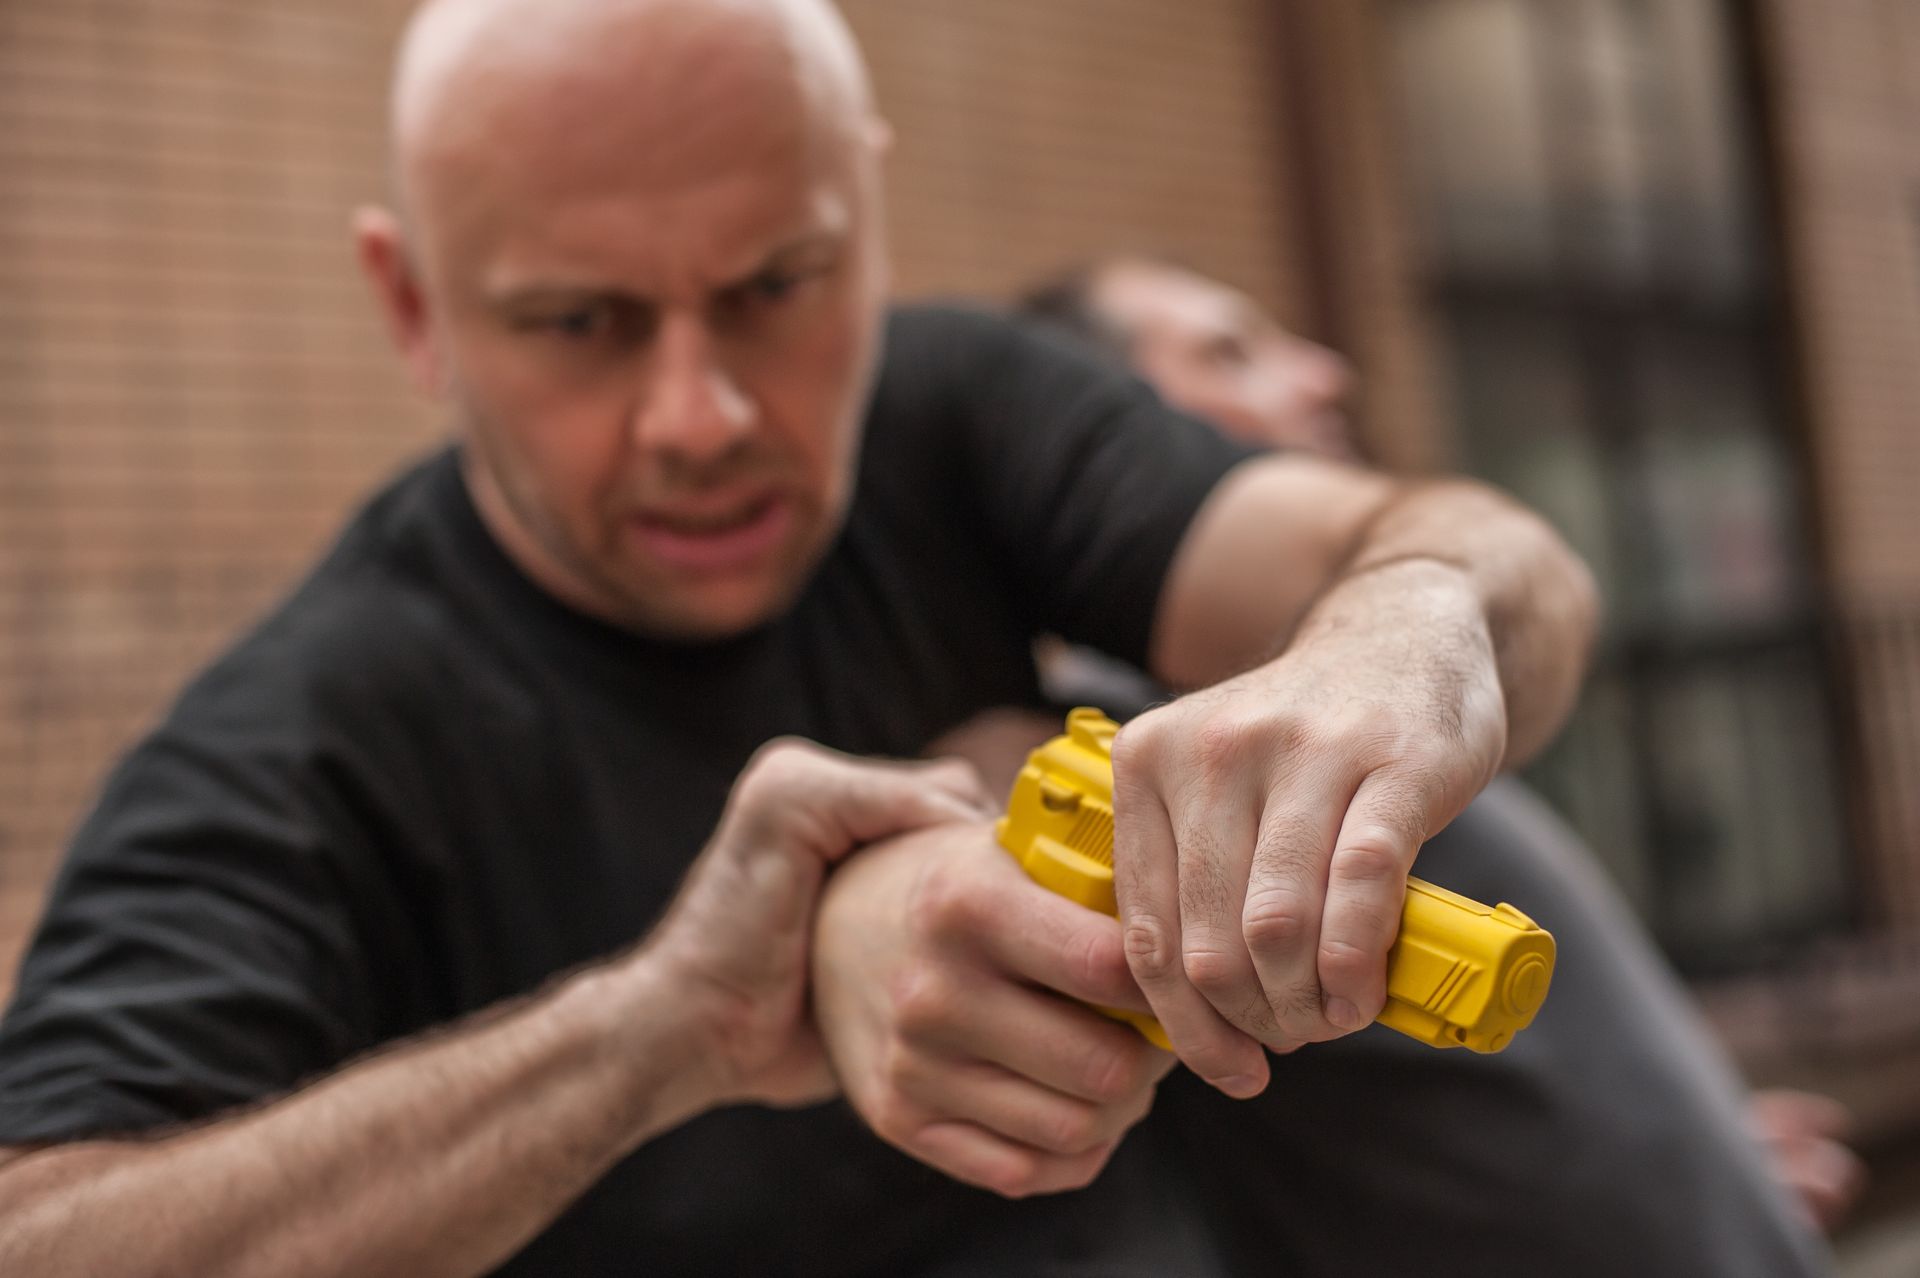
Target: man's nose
point(692, 407)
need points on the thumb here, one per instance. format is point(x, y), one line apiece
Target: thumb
point(874, 799)
point(837, 803)
point(961, 779)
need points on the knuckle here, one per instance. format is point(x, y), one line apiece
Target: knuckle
point(1017, 1176)
point(1254, 1016)
point(894, 1070)
point(1274, 922)
point(1093, 961)
point(1407, 794)
point(1109, 1076)
point(945, 905)
point(1219, 743)
point(893, 1118)
point(1150, 951)
point(1137, 742)
point(1295, 737)
point(1372, 738)
point(1369, 925)
point(1228, 739)
point(923, 999)
point(1069, 1129)
point(1377, 728)
point(1298, 1005)
point(1211, 971)
point(1426, 754)
point(1344, 963)
point(1372, 855)
point(779, 766)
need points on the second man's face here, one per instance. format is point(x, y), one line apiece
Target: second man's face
point(1210, 351)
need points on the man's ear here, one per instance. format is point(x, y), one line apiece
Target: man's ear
point(380, 245)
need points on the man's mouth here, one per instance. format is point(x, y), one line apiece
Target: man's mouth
point(714, 540)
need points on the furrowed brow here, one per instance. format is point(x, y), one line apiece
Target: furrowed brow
point(799, 253)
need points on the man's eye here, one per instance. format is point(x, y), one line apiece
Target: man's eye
point(1226, 351)
point(580, 324)
point(772, 287)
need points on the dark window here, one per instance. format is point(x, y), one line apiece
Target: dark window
point(1598, 270)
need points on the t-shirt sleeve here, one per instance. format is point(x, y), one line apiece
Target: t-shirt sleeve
point(1087, 480)
point(198, 950)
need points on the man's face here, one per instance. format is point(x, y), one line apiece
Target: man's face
point(660, 334)
point(1211, 352)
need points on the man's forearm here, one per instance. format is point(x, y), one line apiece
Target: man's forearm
point(1537, 599)
point(443, 1156)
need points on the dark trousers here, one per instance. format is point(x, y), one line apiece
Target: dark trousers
point(1609, 1140)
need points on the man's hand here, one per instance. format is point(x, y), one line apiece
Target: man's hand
point(736, 937)
point(1265, 827)
point(446, 1154)
point(1804, 1135)
point(939, 971)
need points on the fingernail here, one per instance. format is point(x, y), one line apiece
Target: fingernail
point(1344, 1014)
point(1242, 1086)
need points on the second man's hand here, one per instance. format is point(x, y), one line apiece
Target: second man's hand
point(1265, 827)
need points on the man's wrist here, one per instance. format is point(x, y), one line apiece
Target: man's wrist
point(654, 1036)
point(1425, 596)
point(1411, 574)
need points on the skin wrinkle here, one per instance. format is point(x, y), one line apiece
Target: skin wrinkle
point(1258, 1013)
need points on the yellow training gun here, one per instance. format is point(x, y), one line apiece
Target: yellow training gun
point(1461, 974)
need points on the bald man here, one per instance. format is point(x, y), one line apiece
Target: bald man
point(474, 912)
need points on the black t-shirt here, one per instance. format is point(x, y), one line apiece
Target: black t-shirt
point(422, 786)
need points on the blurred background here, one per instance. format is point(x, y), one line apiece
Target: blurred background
point(1654, 265)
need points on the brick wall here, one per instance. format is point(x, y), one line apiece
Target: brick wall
point(1036, 133)
point(194, 386)
point(1845, 76)
point(191, 388)
point(1344, 163)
